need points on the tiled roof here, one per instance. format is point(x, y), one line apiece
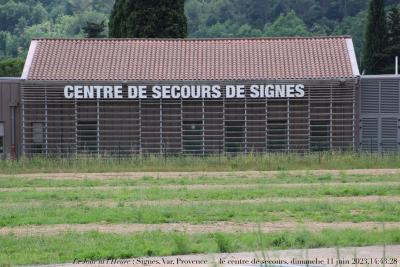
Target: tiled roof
point(190, 59)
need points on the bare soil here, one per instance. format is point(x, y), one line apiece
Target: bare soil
point(139, 175)
point(200, 186)
point(299, 255)
point(176, 202)
point(227, 227)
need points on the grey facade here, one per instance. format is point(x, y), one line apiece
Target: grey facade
point(324, 119)
point(10, 118)
point(380, 113)
point(359, 114)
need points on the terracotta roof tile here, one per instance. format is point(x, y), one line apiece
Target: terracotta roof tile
point(191, 59)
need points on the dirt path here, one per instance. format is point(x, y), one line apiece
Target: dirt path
point(139, 175)
point(176, 202)
point(270, 257)
point(199, 186)
point(228, 227)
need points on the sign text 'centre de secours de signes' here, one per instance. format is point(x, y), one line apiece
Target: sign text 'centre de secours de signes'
point(182, 91)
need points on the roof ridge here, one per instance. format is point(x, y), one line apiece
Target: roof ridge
point(194, 39)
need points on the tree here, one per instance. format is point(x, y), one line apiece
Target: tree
point(355, 27)
point(287, 25)
point(94, 30)
point(77, 6)
point(8, 45)
point(117, 22)
point(393, 48)
point(375, 39)
point(11, 67)
point(148, 19)
point(13, 14)
point(394, 26)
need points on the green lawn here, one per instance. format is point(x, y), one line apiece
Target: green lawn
point(281, 178)
point(28, 201)
point(204, 194)
point(323, 160)
point(98, 246)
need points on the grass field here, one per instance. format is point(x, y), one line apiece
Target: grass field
point(265, 162)
point(45, 220)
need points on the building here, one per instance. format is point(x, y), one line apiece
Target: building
point(380, 113)
point(191, 96)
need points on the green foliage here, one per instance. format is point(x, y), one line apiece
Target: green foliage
point(65, 247)
point(11, 67)
point(117, 22)
point(8, 45)
point(394, 25)
point(223, 243)
point(94, 30)
point(375, 38)
point(355, 27)
point(287, 25)
point(266, 162)
point(16, 15)
point(148, 19)
point(393, 48)
point(22, 20)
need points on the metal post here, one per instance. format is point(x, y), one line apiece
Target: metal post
point(331, 119)
point(76, 126)
point(182, 150)
point(397, 65)
point(23, 122)
point(203, 127)
point(98, 127)
point(140, 126)
point(46, 121)
point(245, 126)
point(13, 145)
point(355, 108)
point(165, 152)
point(266, 126)
point(309, 119)
point(161, 127)
point(223, 123)
point(288, 125)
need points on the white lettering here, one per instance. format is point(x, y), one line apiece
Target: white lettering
point(300, 90)
point(290, 90)
point(78, 92)
point(216, 91)
point(156, 92)
point(88, 92)
point(254, 91)
point(230, 91)
point(118, 92)
point(108, 92)
point(69, 92)
point(184, 92)
point(241, 93)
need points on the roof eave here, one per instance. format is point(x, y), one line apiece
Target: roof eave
point(353, 58)
point(29, 59)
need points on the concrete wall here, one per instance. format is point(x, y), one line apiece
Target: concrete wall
point(9, 100)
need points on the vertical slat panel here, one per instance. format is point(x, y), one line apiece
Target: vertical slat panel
point(323, 118)
point(369, 96)
point(380, 113)
point(389, 96)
